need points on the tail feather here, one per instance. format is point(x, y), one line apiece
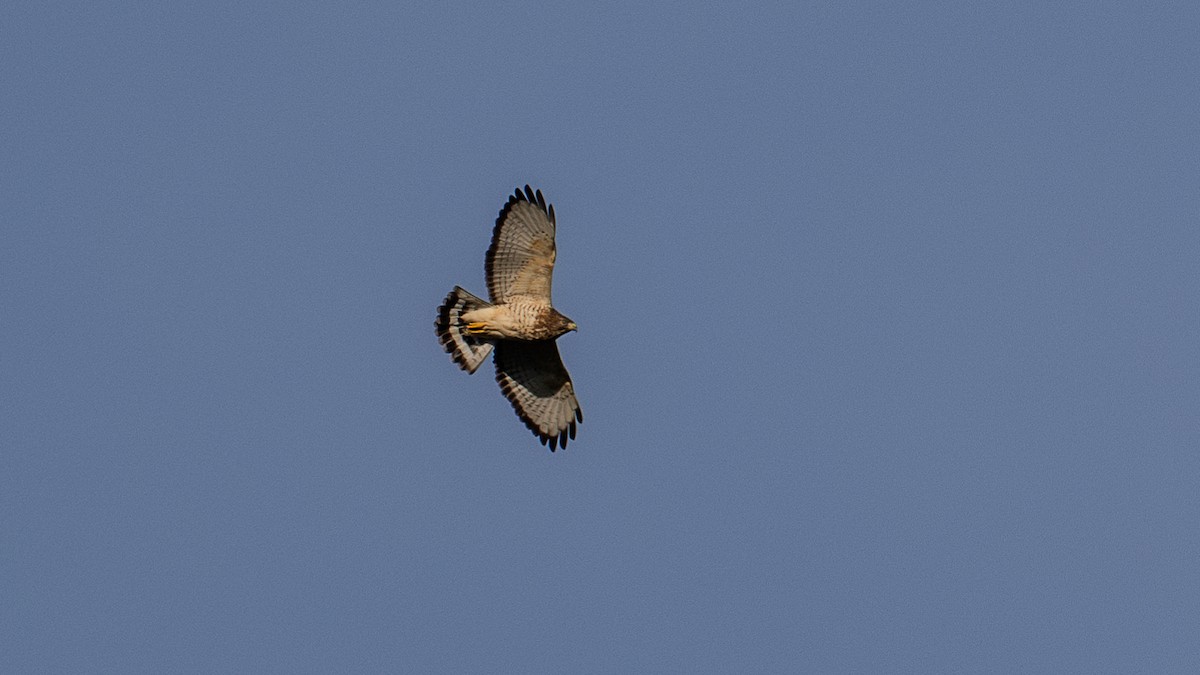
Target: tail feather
point(467, 351)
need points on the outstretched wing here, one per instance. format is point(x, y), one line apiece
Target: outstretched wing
point(520, 260)
point(532, 376)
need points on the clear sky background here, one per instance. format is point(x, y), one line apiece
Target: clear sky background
point(889, 344)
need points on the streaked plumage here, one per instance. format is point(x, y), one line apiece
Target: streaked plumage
point(519, 324)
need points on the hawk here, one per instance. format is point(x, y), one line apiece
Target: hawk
point(519, 323)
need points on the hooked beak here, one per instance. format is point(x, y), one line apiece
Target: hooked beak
point(571, 326)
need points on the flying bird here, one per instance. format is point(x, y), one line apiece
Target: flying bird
point(520, 324)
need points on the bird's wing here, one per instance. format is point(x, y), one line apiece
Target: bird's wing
point(520, 260)
point(532, 376)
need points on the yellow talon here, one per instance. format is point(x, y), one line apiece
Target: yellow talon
point(476, 327)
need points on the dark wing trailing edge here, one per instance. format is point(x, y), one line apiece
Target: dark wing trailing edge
point(520, 260)
point(534, 380)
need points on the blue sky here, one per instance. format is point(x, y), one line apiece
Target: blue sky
point(887, 350)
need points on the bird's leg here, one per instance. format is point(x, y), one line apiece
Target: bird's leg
point(477, 328)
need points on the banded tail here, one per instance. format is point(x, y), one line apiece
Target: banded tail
point(467, 351)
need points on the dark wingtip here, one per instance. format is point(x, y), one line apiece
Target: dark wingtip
point(527, 195)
